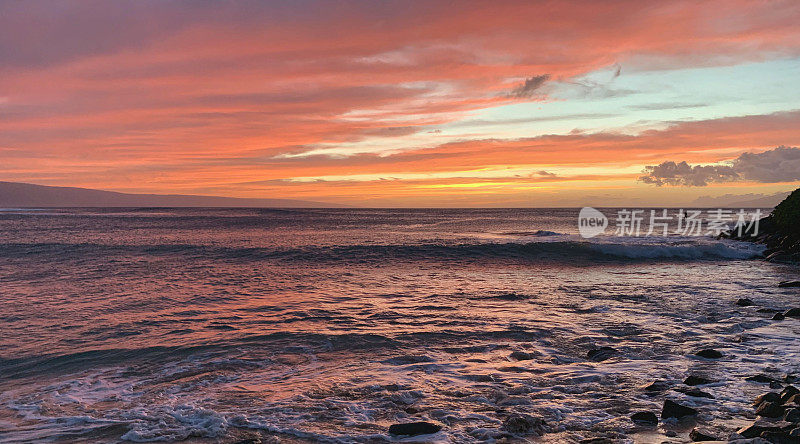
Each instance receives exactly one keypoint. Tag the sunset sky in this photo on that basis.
(405, 103)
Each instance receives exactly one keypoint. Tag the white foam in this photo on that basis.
(174, 423)
(675, 247)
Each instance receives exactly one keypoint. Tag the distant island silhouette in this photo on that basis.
(25, 195)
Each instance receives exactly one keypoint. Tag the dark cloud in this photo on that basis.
(781, 164)
(530, 87)
(671, 173)
(393, 131)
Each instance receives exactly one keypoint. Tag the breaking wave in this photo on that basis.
(559, 250)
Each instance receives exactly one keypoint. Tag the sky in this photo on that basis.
(412, 103)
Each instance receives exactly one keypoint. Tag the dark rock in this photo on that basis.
(698, 434)
(788, 392)
(780, 257)
(601, 354)
(779, 232)
(786, 214)
(600, 440)
(407, 359)
(766, 310)
(513, 369)
(778, 438)
(756, 428)
(767, 397)
(787, 284)
(770, 410)
(792, 415)
(695, 392)
(762, 378)
(792, 313)
(524, 425)
(793, 400)
(645, 418)
(709, 353)
(779, 317)
(414, 428)
(744, 302)
(658, 386)
(483, 378)
(693, 380)
(672, 409)
(522, 356)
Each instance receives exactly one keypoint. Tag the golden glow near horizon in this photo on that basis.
(403, 104)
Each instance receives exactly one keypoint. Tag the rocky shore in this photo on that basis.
(773, 419)
(780, 231)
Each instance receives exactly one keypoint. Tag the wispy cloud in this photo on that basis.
(184, 96)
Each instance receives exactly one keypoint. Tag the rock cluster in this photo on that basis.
(780, 231)
(779, 417)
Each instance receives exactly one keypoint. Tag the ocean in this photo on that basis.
(299, 326)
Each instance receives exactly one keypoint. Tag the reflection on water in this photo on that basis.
(309, 325)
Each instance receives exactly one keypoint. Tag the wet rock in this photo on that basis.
(770, 409)
(788, 392)
(600, 440)
(744, 302)
(522, 356)
(698, 434)
(762, 378)
(792, 313)
(672, 409)
(524, 425)
(709, 353)
(514, 369)
(414, 428)
(483, 378)
(767, 397)
(787, 284)
(695, 392)
(779, 317)
(693, 380)
(756, 428)
(792, 415)
(778, 438)
(407, 359)
(793, 401)
(657, 386)
(601, 354)
(645, 418)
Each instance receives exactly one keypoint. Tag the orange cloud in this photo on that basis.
(190, 97)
